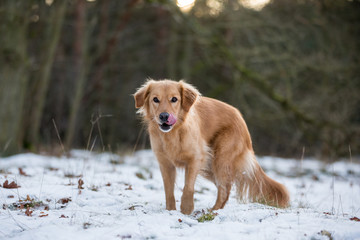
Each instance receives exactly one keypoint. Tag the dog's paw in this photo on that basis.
(187, 202)
(170, 203)
(187, 208)
(169, 208)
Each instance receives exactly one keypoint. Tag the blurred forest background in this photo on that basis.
(68, 69)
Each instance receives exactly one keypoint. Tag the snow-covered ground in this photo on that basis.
(123, 198)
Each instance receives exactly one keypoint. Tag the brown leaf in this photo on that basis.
(11, 185)
(356, 219)
(315, 178)
(108, 184)
(44, 215)
(80, 183)
(179, 220)
(64, 200)
(21, 172)
(140, 175)
(129, 188)
(28, 212)
(11, 196)
(63, 216)
(28, 198)
(86, 225)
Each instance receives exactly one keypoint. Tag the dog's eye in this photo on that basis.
(156, 100)
(174, 99)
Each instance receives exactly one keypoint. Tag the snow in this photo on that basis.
(123, 198)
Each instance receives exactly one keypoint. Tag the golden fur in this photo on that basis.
(209, 138)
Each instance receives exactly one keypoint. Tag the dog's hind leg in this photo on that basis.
(222, 196)
(223, 187)
(226, 151)
(223, 174)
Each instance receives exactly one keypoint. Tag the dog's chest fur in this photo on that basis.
(180, 146)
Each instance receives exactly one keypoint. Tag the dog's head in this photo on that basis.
(165, 103)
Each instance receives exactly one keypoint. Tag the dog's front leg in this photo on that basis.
(168, 172)
(187, 199)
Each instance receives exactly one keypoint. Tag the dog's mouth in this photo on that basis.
(165, 127)
(168, 125)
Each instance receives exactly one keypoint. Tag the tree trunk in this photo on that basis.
(185, 66)
(13, 73)
(53, 31)
(172, 51)
(81, 68)
(105, 55)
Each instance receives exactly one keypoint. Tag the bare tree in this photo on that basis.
(52, 36)
(80, 48)
(14, 20)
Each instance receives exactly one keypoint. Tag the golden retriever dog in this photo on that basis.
(207, 137)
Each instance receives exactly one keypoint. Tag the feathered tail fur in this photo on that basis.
(253, 184)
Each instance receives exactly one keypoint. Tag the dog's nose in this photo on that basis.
(164, 117)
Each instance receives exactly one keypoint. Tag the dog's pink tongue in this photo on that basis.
(171, 120)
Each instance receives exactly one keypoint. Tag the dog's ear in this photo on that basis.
(189, 94)
(141, 94)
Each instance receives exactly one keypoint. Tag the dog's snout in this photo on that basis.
(164, 116)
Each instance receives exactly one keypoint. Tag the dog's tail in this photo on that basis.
(253, 184)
